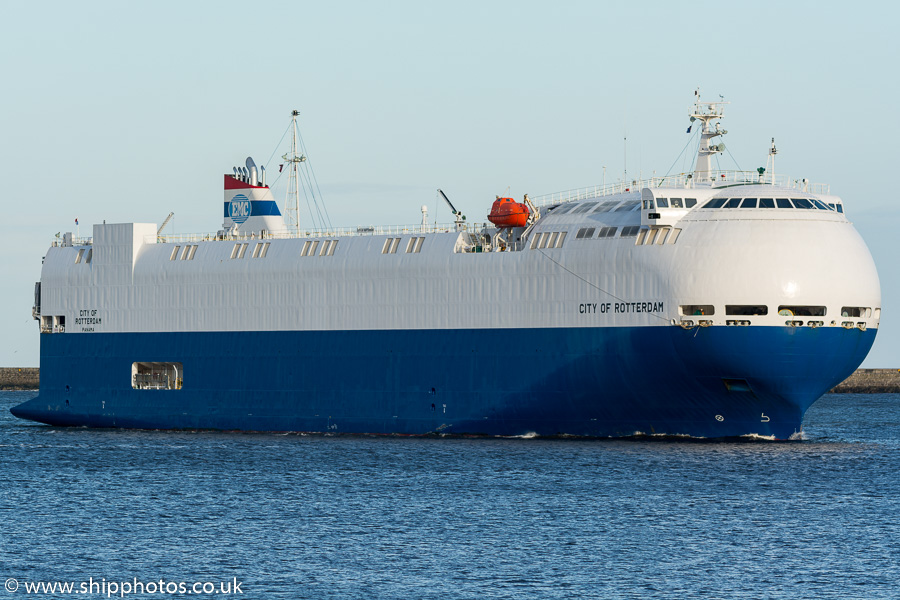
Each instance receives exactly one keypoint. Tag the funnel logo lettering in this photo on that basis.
(239, 209)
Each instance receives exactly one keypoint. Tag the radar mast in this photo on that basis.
(293, 160)
(706, 112)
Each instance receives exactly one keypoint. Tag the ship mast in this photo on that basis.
(293, 160)
(706, 112)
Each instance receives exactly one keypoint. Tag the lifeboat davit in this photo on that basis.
(506, 212)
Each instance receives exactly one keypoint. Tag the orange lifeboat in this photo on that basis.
(506, 212)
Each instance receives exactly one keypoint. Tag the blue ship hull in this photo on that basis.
(708, 382)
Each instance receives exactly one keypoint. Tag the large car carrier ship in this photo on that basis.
(707, 304)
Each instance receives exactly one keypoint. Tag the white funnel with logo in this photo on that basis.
(250, 207)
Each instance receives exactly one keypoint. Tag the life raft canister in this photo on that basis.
(506, 212)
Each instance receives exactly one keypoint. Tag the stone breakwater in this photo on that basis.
(863, 381)
(19, 378)
(871, 381)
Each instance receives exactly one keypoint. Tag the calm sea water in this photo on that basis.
(291, 516)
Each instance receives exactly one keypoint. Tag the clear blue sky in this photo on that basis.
(125, 111)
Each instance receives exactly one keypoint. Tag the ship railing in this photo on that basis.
(681, 180)
(76, 241)
(369, 230)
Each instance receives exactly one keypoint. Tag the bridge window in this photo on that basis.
(662, 203)
(767, 203)
(784, 203)
(732, 203)
(175, 250)
(748, 203)
(715, 203)
(803, 203)
(585, 232)
(676, 202)
(80, 254)
(630, 231)
(690, 202)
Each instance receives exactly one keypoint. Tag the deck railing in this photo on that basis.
(319, 233)
(681, 180)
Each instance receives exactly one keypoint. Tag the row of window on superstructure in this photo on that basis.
(586, 233)
(185, 253)
(672, 203)
(260, 249)
(802, 203)
(576, 208)
(240, 250)
(784, 310)
(319, 248)
(413, 245)
(796, 315)
(657, 236)
(548, 239)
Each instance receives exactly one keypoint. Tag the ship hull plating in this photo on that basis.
(704, 382)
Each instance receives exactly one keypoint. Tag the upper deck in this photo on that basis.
(619, 197)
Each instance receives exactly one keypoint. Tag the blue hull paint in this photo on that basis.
(578, 381)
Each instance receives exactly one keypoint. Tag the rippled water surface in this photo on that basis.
(292, 516)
